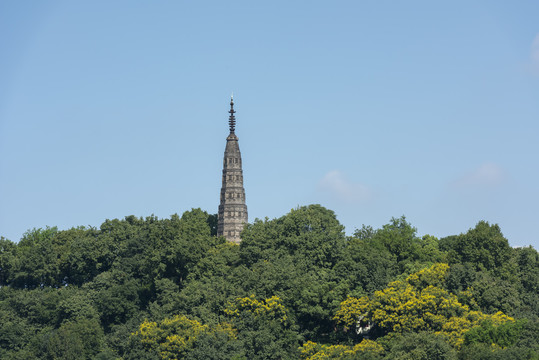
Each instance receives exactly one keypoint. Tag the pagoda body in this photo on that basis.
(232, 209)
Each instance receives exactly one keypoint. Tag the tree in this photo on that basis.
(527, 260)
(215, 280)
(367, 349)
(75, 306)
(528, 264)
(7, 258)
(399, 238)
(115, 295)
(484, 246)
(493, 294)
(264, 328)
(419, 303)
(420, 346)
(179, 337)
(15, 333)
(366, 266)
(192, 243)
(504, 335)
(72, 340)
(293, 257)
(89, 253)
(311, 234)
(37, 262)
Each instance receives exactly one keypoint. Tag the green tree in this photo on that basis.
(528, 264)
(192, 243)
(214, 281)
(37, 306)
(37, 261)
(181, 337)
(76, 305)
(504, 335)
(87, 254)
(366, 266)
(264, 328)
(527, 260)
(293, 257)
(484, 246)
(311, 234)
(115, 295)
(72, 340)
(7, 258)
(493, 294)
(420, 346)
(366, 350)
(461, 277)
(15, 333)
(399, 238)
(419, 303)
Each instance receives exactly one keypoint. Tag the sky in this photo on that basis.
(373, 109)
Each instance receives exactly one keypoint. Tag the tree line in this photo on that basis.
(295, 288)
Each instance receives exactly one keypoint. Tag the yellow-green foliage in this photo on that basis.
(171, 338)
(434, 275)
(418, 303)
(455, 327)
(351, 309)
(314, 351)
(271, 308)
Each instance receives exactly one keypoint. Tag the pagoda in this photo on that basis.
(232, 209)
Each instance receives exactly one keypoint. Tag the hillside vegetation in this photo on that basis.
(296, 288)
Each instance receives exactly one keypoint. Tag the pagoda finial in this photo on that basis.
(232, 118)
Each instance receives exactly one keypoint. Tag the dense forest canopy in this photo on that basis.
(295, 288)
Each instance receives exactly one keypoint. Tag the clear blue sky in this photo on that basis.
(374, 109)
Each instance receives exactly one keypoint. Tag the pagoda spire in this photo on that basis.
(232, 118)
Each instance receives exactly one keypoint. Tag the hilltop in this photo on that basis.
(295, 287)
